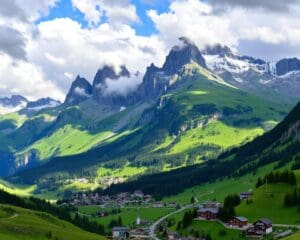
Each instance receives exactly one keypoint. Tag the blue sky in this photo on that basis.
(64, 9)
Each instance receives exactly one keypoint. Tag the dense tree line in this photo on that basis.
(227, 211)
(187, 219)
(63, 213)
(296, 165)
(116, 223)
(292, 199)
(278, 177)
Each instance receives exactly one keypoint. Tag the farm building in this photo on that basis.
(246, 195)
(260, 228)
(120, 233)
(209, 210)
(239, 222)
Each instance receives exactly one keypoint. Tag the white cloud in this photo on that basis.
(193, 19)
(59, 49)
(204, 24)
(26, 79)
(82, 51)
(81, 92)
(123, 85)
(55, 60)
(117, 11)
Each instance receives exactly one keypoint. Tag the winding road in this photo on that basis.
(155, 224)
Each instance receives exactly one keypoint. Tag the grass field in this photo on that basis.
(269, 202)
(295, 236)
(20, 190)
(126, 171)
(68, 140)
(216, 133)
(128, 214)
(21, 224)
(215, 229)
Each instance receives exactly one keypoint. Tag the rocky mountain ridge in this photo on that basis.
(276, 80)
(12, 104)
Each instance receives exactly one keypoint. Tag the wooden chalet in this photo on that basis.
(239, 222)
(261, 227)
(246, 195)
(120, 233)
(209, 210)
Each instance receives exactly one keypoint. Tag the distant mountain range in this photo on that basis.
(16, 103)
(281, 80)
(194, 107)
(275, 80)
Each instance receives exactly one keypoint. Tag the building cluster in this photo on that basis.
(209, 211)
(120, 199)
(126, 233)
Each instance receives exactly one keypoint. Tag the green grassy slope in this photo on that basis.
(219, 190)
(199, 117)
(20, 224)
(295, 236)
(268, 201)
(280, 145)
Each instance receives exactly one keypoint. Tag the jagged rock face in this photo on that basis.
(42, 103)
(100, 93)
(150, 87)
(156, 80)
(80, 90)
(287, 65)
(181, 55)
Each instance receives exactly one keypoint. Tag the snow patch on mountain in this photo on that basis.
(232, 64)
(51, 104)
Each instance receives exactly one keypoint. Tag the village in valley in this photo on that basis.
(161, 227)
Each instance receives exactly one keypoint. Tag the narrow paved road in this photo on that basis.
(10, 217)
(286, 226)
(155, 224)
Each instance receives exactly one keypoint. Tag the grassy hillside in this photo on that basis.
(280, 145)
(295, 236)
(199, 117)
(268, 201)
(21, 224)
(219, 189)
